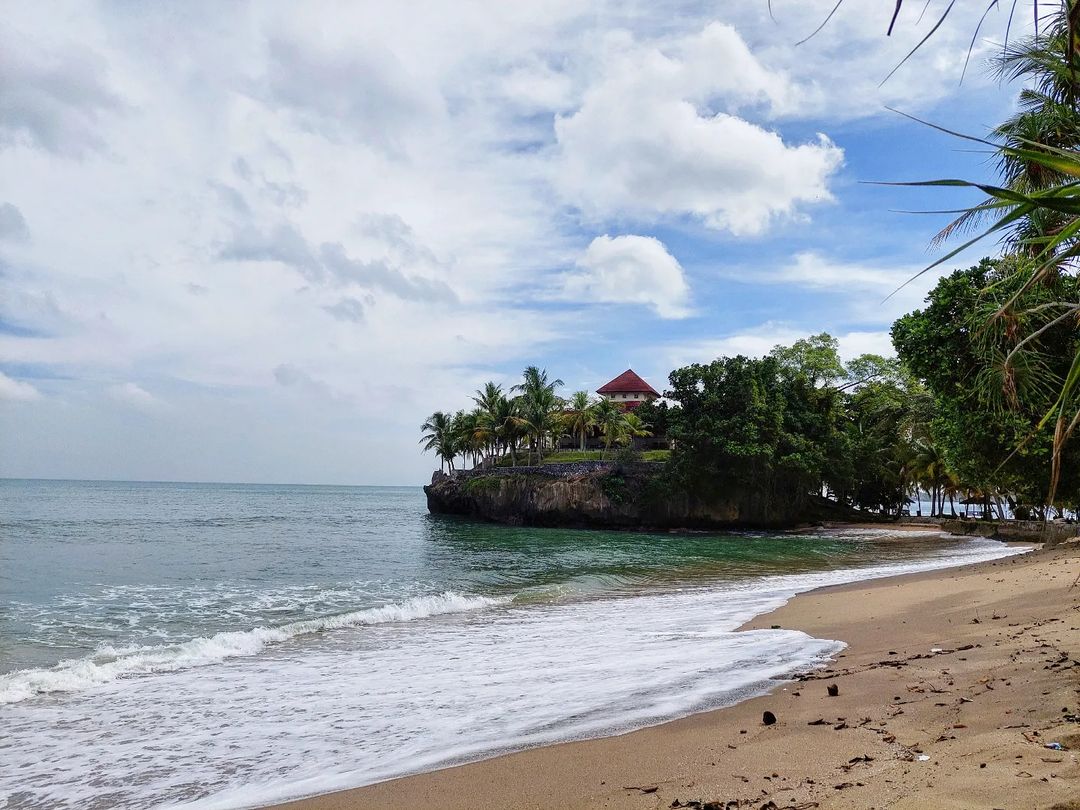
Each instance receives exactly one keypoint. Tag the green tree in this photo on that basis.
(579, 416)
(438, 435)
(634, 427)
(611, 420)
(540, 406)
(989, 397)
(816, 358)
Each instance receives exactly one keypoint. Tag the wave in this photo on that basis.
(109, 663)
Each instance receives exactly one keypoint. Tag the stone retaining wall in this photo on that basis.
(1034, 531)
(560, 470)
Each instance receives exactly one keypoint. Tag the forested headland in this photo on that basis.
(978, 407)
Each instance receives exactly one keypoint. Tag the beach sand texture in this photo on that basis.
(952, 686)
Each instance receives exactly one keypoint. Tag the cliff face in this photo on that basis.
(597, 495)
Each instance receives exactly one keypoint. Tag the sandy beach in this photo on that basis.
(952, 687)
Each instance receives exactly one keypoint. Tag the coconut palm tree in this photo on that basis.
(634, 427)
(578, 417)
(611, 421)
(510, 427)
(471, 432)
(539, 405)
(488, 397)
(439, 436)
(1047, 120)
(932, 473)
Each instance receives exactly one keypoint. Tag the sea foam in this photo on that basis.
(109, 663)
(349, 709)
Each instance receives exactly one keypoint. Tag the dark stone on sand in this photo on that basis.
(768, 718)
(832, 689)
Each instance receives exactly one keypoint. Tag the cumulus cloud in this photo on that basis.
(136, 396)
(17, 390)
(12, 224)
(425, 180)
(656, 135)
(630, 270)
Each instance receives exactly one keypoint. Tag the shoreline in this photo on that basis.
(898, 701)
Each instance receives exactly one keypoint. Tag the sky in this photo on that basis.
(262, 241)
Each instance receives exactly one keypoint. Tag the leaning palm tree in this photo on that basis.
(579, 416)
(439, 436)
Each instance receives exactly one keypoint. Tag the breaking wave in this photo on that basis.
(109, 663)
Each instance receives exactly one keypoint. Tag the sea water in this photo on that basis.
(223, 646)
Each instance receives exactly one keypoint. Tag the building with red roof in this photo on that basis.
(628, 390)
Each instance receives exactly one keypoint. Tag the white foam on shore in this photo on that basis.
(110, 663)
(358, 706)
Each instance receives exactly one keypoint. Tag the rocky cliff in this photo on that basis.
(600, 495)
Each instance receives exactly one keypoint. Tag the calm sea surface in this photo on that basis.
(216, 645)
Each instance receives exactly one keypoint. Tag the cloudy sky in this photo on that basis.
(261, 242)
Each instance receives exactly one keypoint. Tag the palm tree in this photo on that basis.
(539, 405)
(1046, 120)
(509, 425)
(578, 417)
(439, 436)
(634, 427)
(932, 473)
(488, 397)
(471, 433)
(611, 421)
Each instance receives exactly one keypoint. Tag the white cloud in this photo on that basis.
(656, 136)
(758, 341)
(872, 292)
(135, 395)
(383, 204)
(17, 390)
(629, 270)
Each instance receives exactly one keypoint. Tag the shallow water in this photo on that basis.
(226, 645)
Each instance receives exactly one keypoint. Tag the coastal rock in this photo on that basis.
(602, 495)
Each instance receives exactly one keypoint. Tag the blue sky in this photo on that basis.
(261, 242)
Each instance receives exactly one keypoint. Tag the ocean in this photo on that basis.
(226, 646)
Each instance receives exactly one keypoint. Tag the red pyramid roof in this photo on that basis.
(627, 383)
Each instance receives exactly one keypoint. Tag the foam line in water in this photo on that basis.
(110, 663)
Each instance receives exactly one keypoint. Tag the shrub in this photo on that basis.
(480, 484)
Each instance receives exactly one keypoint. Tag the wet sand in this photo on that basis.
(953, 684)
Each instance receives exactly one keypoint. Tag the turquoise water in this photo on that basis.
(225, 645)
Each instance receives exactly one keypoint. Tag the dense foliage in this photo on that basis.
(989, 398)
(798, 423)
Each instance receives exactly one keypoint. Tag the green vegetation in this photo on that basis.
(531, 416)
(1017, 317)
(983, 402)
(480, 484)
(798, 423)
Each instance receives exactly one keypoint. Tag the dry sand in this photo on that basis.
(962, 727)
